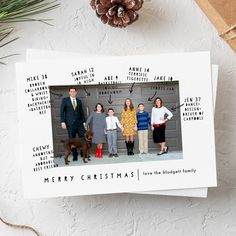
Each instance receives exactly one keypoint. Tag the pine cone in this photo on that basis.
(117, 13)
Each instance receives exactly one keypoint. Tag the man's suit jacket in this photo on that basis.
(69, 115)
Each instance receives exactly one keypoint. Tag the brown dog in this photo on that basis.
(83, 144)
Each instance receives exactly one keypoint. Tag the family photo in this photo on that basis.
(116, 123)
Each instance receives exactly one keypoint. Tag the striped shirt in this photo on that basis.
(143, 119)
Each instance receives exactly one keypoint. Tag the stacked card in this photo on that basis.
(95, 125)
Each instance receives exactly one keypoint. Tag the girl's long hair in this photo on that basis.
(97, 106)
(131, 107)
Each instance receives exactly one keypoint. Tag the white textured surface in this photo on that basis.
(164, 26)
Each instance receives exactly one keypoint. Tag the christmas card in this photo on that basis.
(36, 54)
(68, 107)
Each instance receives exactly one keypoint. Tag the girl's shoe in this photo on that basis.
(97, 153)
(127, 147)
(100, 153)
(131, 148)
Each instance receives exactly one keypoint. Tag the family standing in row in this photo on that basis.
(105, 128)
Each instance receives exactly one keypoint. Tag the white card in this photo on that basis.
(175, 72)
(37, 54)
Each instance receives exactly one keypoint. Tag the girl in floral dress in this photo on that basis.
(129, 123)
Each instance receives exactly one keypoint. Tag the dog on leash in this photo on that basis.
(82, 144)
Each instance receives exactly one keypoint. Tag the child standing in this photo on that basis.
(97, 120)
(112, 123)
(129, 123)
(143, 120)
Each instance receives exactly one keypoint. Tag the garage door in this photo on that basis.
(114, 96)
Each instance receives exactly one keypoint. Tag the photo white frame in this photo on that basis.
(169, 65)
(39, 54)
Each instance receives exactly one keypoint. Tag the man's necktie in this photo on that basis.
(74, 104)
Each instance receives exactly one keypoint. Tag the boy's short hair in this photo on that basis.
(110, 109)
(140, 104)
(73, 88)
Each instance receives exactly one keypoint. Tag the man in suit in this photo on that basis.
(72, 117)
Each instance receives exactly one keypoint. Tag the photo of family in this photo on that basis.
(102, 124)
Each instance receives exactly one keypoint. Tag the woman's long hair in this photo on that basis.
(131, 107)
(154, 103)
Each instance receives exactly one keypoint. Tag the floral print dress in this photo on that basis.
(128, 121)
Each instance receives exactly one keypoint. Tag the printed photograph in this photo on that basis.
(116, 123)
